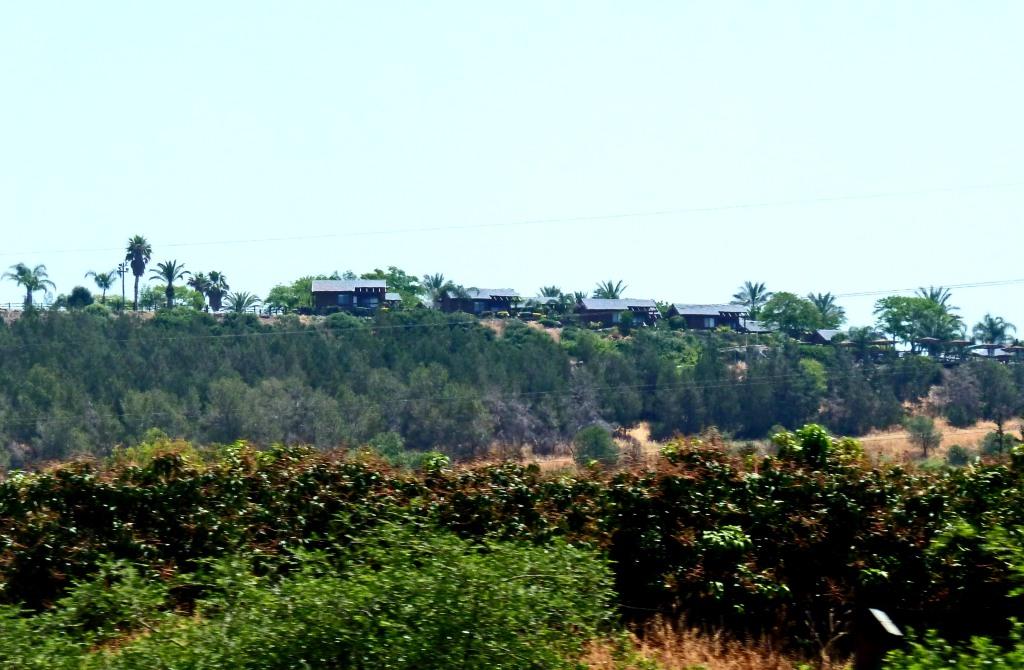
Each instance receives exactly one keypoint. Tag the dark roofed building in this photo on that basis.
(823, 336)
(608, 311)
(348, 295)
(709, 317)
(479, 300)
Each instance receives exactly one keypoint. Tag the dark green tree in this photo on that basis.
(138, 253)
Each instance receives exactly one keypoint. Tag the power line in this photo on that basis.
(553, 220)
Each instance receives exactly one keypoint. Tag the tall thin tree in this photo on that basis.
(139, 252)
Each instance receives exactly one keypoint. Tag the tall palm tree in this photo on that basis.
(31, 279)
(217, 288)
(550, 292)
(436, 286)
(753, 295)
(241, 301)
(993, 329)
(832, 315)
(138, 253)
(200, 283)
(939, 295)
(609, 289)
(104, 281)
(169, 272)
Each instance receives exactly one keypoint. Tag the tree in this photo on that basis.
(550, 292)
(753, 295)
(922, 432)
(436, 286)
(906, 318)
(217, 288)
(80, 297)
(832, 315)
(200, 283)
(609, 289)
(138, 253)
(791, 314)
(169, 272)
(104, 281)
(31, 279)
(594, 443)
(398, 281)
(938, 295)
(1000, 398)
(993, 330)
(241, 301)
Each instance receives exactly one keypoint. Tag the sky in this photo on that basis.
(680, 147)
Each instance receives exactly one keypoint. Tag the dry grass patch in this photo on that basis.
(665, 647)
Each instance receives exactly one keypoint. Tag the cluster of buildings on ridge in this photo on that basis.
(367, 295)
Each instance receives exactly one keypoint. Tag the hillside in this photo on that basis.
(78, 383)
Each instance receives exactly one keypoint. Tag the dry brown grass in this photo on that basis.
(679, 648)
(895, 446)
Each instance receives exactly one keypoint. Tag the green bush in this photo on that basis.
(594, 443)
(398, 597)
(992, 445)
(958, 456)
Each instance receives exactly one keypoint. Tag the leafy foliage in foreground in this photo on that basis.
(779, 544)
(395, 597)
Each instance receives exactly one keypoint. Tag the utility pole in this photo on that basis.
(122, 269)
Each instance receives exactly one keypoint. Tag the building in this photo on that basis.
(709, 317)
(480, 300)
(823, 336)
(359, 296)
(607, 311)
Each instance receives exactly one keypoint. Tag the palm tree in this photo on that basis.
(32, 279)
(938, 295)
(169, 272)
(436, 286)
(138, 253)
(550, 292)
(753, 295)
(832, 315)
(242, 301)
(993, 329)
(609, 289)
(104, 281)
(217, 288)
(200, 283)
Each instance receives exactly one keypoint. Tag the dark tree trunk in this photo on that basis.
(136, 301)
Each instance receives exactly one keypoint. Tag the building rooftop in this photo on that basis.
(719, 309)
(346, 285)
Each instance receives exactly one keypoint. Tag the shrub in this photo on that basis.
(594, 443)
(626, 320)
(397, 597)
(676, 323)
(958, 456)
(992, 445)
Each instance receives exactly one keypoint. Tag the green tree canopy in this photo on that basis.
(791, 314)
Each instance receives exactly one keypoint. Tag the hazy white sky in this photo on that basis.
(205, 125)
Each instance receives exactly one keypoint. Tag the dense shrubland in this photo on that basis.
(786, 545)
(76, 383)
